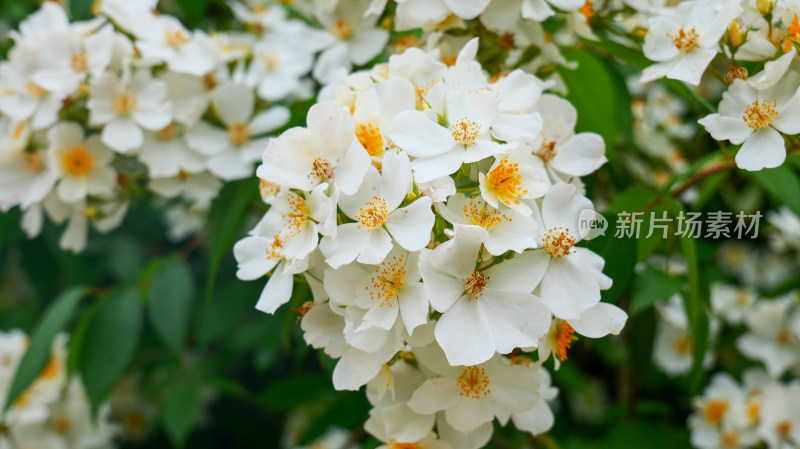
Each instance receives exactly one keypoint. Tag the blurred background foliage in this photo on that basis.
(220, 374)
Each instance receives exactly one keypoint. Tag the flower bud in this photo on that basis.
(765, 6)
(735, 38)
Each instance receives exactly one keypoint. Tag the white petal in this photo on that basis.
(464, 333)
(438, 393)
(123, 135)
(419, 136)
(411, 226)
(763, 149)
(349, 242)
(600, 320)
(277, 292)
(469, 414)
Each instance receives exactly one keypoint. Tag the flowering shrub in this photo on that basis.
(513, 223)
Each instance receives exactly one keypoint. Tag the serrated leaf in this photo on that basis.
(179, 412)
(38, 352)
(110, 343)
(169, 301)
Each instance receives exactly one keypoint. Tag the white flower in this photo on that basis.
(163, 38)
(166, 153)
(232, 151)
(780, 417)
(732, 303)
(571, 277)
(125, 106)
(685, 42)
(596, 322)
(506, 229)
(510, 179)
(277, 68)
(375, 207)
(465, 138)
(483, 312)
(754, 118)
(26, 178)
(326, 151)
(26, 100)
(82, 164)
(471, 396)
(773, 335)
(540, 418)
(374, 110)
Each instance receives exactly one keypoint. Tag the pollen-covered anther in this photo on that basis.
(321, 169)
(783, 336)
(547, 151)
(465, 131)
(342, 29)
(729, 438)
(34, 89)
(125, 102)
(238, 133)
(34, 162)
(475, 283)
(79, 62)
(760, 114)
(374, 215)
(387, 281)
(685, 39)
(506, 182)
(370, 137)
(714, 410)
(175, 37)
(167, 132)
(474, 382)
(297, 215)
(76, 160)
(479, 214)
(275, 249)
(210, 81)
(784, 428)
(397, 445)
(563, 336)
(268, 189)
(558, 243)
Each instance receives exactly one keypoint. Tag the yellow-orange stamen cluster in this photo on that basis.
(370, 137)
(321, 169)
(275, 249)
(34, 89)
(297, 215)
(19, 130)
(760, 114)
(342, 29)
(784, 428)
(238, 133)
(79, 62)
(387, 280)
(125, 102)
(60, 424)
(34, 162)
(465, 131)
(76, 160)
(168, 132)
(729, 438)
(303, 310)
(175, 37)
(685, 39)
(562, 338)
(395, 445)
(506, 182)
(479, 214)
(271, 60)
(783, 336)
(475, 283)
(587, 10)
(558, 242)
(268, 189)
(714, 410)
(374, 215)
(684, 345)
(474, 382)
(209, 81)
(792, 34)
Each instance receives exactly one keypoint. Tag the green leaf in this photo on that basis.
(782, 184)
(194, 9)
(169, 300)
(593, 92)
(652, 285)
(38, 352)
(179, 412)
(299, 389)
(227, 215)
(110, 343)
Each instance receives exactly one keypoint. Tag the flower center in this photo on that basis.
(562, 338)
(479, 214)
(19, 130)
(784, 428)
(754, 409)
(175, 37)
(370, 138)
(275, 249)
(587, 10)
(684, 39)
(297, 214)
(374, 214)
(683, 345)
(714, 410)
(209, 81)
(474, 382)
(396, 445)
(60, 424)
(729, 438)
(34, 89)
(51, 370)
(268, 189)
(342, 29)
(475, 283)
(505, 180)
(388, 280)
(783, 336)
(558, 242)
(321, 169)
(547, 151)
(34, 162)
(78, 62)
(238, 133)
(168, 132)
(76, 160)
(125, 102)
(760, 114)
(465, 131)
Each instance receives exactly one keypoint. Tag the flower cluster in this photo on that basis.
(761, 108)
(54, 411)
(434, 211)
(758, 411)
(94, 113)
